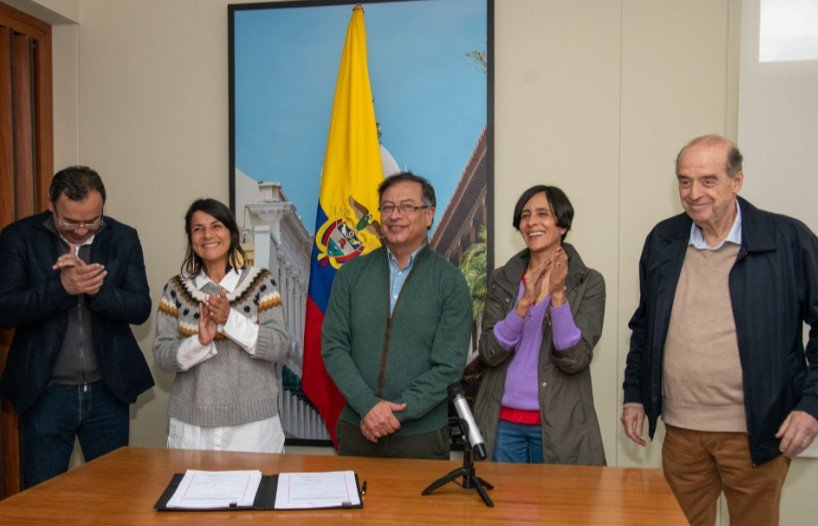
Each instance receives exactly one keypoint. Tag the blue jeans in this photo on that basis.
(89, 412)
(518, 443)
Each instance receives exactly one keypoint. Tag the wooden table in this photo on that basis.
(122, 487)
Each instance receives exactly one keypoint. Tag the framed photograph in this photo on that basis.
(430, 68)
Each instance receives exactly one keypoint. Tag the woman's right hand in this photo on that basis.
(207, 326)
(533, 287)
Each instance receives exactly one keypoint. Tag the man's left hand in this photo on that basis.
(797, 433)
(78, 277)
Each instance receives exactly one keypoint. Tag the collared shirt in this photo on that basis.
(51, 225)
(84, 243)
(397, 276)
(228, 282)
(734, 236)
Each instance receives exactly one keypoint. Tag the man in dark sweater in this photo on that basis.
(71, 282)
(717, 344)
(396, 333)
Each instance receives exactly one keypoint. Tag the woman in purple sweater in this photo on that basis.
(542, 319)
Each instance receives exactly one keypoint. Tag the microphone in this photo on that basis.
(458, 397)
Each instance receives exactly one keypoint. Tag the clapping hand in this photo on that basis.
(207, 326)
(534, 277)
(559, 272)
(78, 277)
(218, 307)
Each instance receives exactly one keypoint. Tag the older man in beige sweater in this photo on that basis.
(717, 343)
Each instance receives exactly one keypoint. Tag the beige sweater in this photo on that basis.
(702, 386)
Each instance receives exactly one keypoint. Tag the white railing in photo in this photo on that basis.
(300, 419)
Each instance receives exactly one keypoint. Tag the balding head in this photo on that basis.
(733, 158)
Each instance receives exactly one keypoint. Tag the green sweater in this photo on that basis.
(409, 357)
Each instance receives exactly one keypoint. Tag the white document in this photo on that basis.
(216, 489)
(332, 489)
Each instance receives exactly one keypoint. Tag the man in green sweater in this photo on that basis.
(396, 333)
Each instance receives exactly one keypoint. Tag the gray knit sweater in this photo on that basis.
(232, 387)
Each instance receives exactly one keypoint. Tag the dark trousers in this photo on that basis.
(432, 445)
(88, 412)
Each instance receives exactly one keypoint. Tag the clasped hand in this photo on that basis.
(77, 276)
(381, 420)
(552, 274)
(213, 311)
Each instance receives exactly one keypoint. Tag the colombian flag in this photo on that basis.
(347, 220)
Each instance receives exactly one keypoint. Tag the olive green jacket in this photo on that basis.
(570, 430)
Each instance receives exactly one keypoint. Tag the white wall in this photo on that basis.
(595, 96)
(778, 134)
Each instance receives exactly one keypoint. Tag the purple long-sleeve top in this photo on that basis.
(524, 337)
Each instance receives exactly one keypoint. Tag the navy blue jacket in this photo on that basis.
(774, 291)
(34, 302)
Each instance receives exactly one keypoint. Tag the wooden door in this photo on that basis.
(26, 167)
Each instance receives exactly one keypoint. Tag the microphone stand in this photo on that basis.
(470, 479)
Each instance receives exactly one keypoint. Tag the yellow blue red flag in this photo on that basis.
(347, 219)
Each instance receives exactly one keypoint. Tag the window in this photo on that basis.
(788, 30)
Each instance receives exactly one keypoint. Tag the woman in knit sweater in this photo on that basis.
(220, 328)
(542, 319)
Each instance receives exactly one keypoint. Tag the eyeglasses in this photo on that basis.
(405, 208)
(96, 224)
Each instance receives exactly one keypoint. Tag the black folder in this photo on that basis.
(265, 496)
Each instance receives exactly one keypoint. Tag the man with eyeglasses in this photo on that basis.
(396, 333)
(71, 283)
